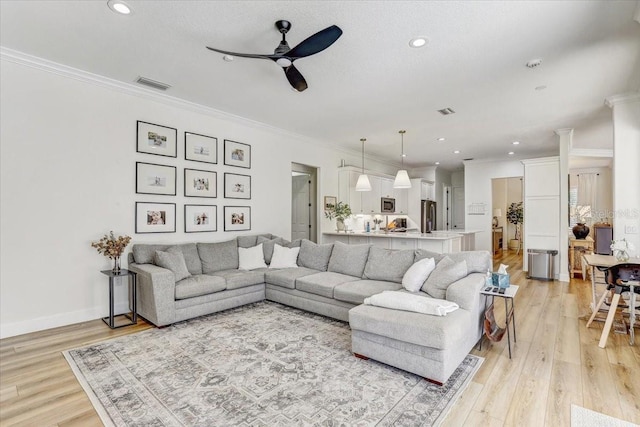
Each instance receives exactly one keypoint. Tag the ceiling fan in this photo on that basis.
(284, 55)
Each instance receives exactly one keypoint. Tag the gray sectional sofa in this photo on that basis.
(331, 280)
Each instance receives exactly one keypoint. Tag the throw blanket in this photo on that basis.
(412, 302)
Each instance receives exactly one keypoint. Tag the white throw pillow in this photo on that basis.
(251, 258)
(284, 257)
(416, 274)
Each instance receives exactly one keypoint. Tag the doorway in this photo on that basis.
(304, 196)
(506, 235)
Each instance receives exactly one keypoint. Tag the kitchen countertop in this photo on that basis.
(439, 235)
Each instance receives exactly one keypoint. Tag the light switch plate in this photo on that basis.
(630, 229)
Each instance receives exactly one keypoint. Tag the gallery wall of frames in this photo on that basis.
(158, 177)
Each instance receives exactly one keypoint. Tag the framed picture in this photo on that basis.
(199, 183)
(156, 139)
(155, 179)
(237, 154)
(237, 186)
(155, 217)
(200, 218)
(237, 218)
(200, 148)
(330, 202)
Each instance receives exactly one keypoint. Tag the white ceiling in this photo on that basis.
(370, 83)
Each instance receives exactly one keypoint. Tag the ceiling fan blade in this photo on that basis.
(316, 43)
(245, 55)
(295, 78)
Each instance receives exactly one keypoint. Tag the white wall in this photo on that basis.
(477, 187)
(68, 153)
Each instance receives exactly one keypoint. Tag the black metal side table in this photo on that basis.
(132, 282)
(510, 313)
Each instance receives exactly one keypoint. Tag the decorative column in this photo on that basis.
(565, 137)
(626, 168)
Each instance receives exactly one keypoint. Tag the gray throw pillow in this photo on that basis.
(348, 259)
(423, 253)
(144, 253)
(173, 260)
(314, 256)
(477, 261)
(218, 256)
(446, 272)
(267, 246)
(388, 264)
(247, 241)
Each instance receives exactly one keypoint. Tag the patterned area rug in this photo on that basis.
(259, 365)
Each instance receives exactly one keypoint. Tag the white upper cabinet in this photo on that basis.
(427, 190)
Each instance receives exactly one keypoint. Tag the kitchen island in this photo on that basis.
(437, 241)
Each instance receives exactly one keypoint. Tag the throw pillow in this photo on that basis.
(251, 258)
(314, 256)
(284, 257)
(416, 275)
(446, 272)
(173, 260)
(348, 259)
(267, 245)
(388, 264)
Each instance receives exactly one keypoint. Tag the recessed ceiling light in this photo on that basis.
(511, 153)
(441, 139)
(227, 58)
(119, 7)
(437, 163)
(456, 152)
(516, 142)
(418, 42)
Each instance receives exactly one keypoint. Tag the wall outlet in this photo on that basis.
(630, 229)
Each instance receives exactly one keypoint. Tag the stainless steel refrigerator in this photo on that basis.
(428, 216)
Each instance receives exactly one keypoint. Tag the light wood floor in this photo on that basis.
(556, 362)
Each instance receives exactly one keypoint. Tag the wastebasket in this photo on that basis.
(541, 263)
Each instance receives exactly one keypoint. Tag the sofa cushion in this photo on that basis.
(287, 278)
(314, 256)
(477, 261)
(423, 253)
(268, 244)
(251, 258)
(201, 284)
(173, 260)
(218, 256)
(145, 254)
(248, 241)
(284, 257)
(416, 275)
(241, 278)
(322, 283)
(446, 272)
(348, 259)
(355, 292)
(388, 264)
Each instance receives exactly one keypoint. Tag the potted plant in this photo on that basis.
(340, 211)
(515, 216)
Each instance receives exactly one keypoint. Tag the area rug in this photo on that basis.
(583, 417)
(263, 364)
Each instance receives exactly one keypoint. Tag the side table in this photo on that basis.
(132, 291)
(510, 314)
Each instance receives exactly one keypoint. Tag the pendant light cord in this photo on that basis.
(363, 140)
(402, 132)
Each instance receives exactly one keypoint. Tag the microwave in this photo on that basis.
(387, 205)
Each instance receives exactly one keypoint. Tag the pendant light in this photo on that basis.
(402, 177)
(363, 183)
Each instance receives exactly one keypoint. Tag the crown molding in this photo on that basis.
(623, 98)
(566, 131)
(591, 152)
(551, 159)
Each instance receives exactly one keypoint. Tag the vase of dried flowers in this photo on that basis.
(112, 247)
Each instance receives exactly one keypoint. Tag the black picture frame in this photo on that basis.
(237, 154)
(193, 218)
(237, 186)
(155, 217)
(157, 140)
(200, 183)
(237, 218)
(200, 148)
(153, 178)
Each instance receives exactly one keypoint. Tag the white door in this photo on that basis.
(300, 214)
(458, 207)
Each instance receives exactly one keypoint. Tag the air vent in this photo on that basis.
(534, 63)
(446, 111)
(469, 159)
(152, 83)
